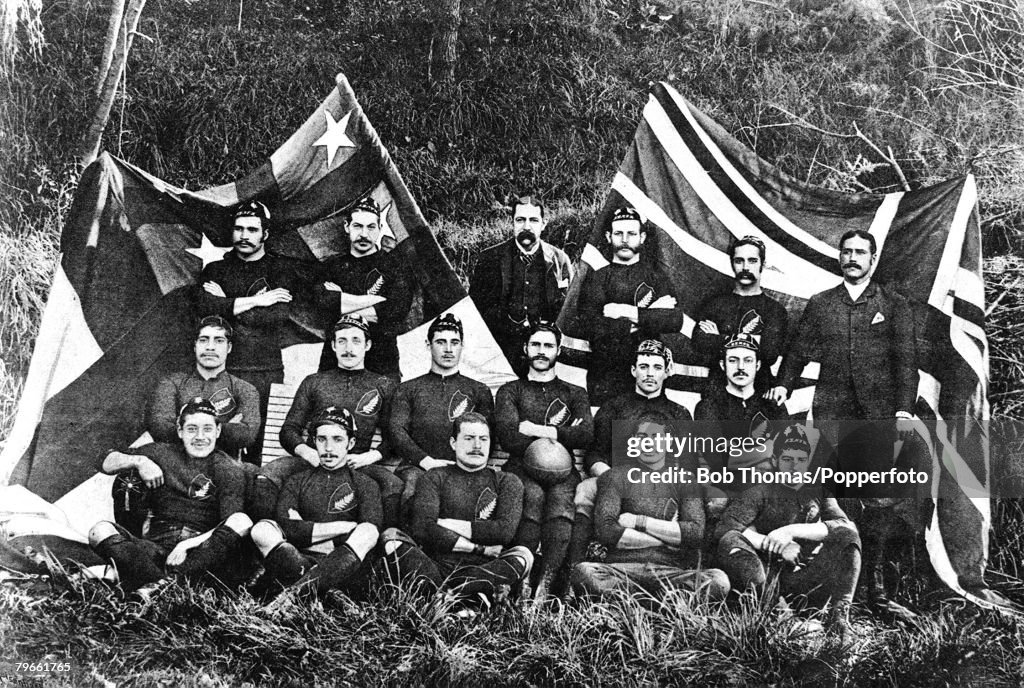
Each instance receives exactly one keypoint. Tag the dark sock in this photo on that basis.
(556, 536)
(138, 561)
(333, 571)
(212, 554)
(582, 530)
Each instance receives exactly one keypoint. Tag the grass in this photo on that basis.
(204, 637)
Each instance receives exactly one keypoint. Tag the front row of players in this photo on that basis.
(466, 526)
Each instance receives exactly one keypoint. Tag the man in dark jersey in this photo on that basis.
(652, 366)
(464, 519)
(796, 533)
(237, 402)
(543, 407)
(364, 393)
(367, 282)
(652, 531)
(252, 290)
(196, 496)
(745, 310)
(623, 303)
(423, 408)
(328, 517)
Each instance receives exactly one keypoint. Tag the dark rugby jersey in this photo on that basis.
(768, 507)
(627, 407)
(677, 502)
(759, 315)
(322, 496)
(198, 493)
(366, 394)
(557, 403)
(491, 501)
(423, 409)
(228, 394)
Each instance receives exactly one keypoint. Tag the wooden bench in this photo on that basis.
(281, 397)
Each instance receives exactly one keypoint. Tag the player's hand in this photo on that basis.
(791, 553)
(904, 426)
(429, 463)
(361, 460)
(272, 297)
(237, 418)
(332, 286)
(152, 475)
(532, 429)
(620, 311)
(178, 555)
(492, 551)
(708, 327)
(666, 301)
(308, 454)
(777, 541)
(294, 515)
(214, 289)
(627, 520)
(777, 394)
(369, 314)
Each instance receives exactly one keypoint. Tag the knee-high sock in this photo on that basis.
(211, 554)
(331, 572)
(555, 544)
(138, 561)
(582, 531)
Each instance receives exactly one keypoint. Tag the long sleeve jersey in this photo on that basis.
(423, 409)
(768, 507)
(198, 493)
(378, 274)
(256, 344)
(365, 393)
(678, 502)
(627, 407)
(229, 395)
(759, 315)
(491, 501)
(557, 403)
(319, 495)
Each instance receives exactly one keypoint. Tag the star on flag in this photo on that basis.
(207, 252)
(335, 136)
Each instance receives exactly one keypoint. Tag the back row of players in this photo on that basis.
(333, 490)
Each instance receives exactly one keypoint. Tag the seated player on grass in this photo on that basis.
(651, 531)
(328, 517)
(795, 533)
(464, 518)
(196, 497)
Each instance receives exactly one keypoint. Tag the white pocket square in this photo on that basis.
(878, 318)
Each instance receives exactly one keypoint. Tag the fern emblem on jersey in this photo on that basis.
(374, 283)
(758, 425)
(258, 286)
(201, 487)
(341, 500)
(672, 510)
(486, 503)
(644, 295)
(458, 405)
(369, 403)
(557, 413)
(751, 323)
(223, 402)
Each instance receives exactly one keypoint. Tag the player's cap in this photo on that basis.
(628, 212)
(333, 415)
(366, 205)
(253, 209)
(742, 341)
(215, 321)
(197, 405)
(792, 437)
(448, 321)
(347, 321)
(652, 347)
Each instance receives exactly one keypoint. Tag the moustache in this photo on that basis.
(852, 265)
(745, 274)
(541, 357)
(244, 243)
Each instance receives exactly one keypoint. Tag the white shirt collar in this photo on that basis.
(856, 290)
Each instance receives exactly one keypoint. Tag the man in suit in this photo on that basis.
(862, 335)
(521, 280)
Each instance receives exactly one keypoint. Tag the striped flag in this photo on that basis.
(700, 189)
(123, 298)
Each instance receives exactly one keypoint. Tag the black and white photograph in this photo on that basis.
(479, 343)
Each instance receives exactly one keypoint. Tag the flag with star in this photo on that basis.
(123, 300)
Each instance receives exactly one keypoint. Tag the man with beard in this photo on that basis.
(792, 531)
(746, 310)
(623, 303)
(424, 408)
(652, 366)
(327, 519)
(350, 386)
(651, 531)
(540, 406)
(367, 282)
(236, 401)
(196, 494)
(252, 290)
(862, 334)
(464, 519)
(521, 280)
